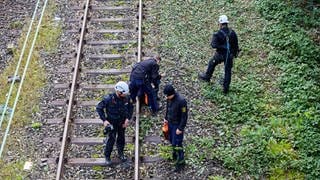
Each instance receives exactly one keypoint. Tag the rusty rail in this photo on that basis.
(71, 102)
(72, 94)
(137, 147)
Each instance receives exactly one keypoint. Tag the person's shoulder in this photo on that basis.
(149, 62)
(216, 33)
(109, 97)
(232, 31)
(183, 103)
(129, 99)
(181, 98)
(219, 34)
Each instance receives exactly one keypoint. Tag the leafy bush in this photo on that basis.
(298, 57)
(294, 12)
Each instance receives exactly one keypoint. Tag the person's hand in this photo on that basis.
(106, 123)
(237, 53)
(126, 123)
(178, 132)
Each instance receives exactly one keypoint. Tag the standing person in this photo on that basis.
(118, 108)
(143, 75)
(176, 117)
(226, 43)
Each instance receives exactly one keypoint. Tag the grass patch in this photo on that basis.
(115, 64)
(271, 116)
(12, 170)
(36, 125)
(145, 125)
(16, 25)
(216, 178)
(35, 80)
(165, 152)
(110, 36)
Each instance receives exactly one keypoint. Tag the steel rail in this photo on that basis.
(22, 79)
(137, 147)
(72, 94)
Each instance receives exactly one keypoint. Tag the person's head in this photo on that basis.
(122, 89)
(169, 91)
(157, 58)
(223, 20)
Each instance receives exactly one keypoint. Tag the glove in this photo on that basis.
(108, 129)
(237, 53)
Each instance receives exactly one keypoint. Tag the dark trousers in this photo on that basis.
(117, 133)
(137, 85)
(176, 142)
(228, 63)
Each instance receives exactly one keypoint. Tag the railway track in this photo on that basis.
(108, 41)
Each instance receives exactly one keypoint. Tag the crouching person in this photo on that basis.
(176, 116)
(115, 110)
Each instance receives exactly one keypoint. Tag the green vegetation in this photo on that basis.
(36, 125)
(165, 152)
(216, 178)
(29, 98)
(98, 168)
(16, 25)
(145, 125)
(117, 25)
(114, 51)
(12, 170)
(120, 3)
(268, 125)
(129, 148)
(109, 36)
(114, 64)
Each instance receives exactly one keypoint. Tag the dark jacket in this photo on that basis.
(117, 109)
(219, 41)
(177, 111)
(147, 70)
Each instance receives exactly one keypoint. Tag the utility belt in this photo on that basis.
(174, 122)
(117, 121)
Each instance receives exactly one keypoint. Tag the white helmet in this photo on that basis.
(223, 19)
(122, 87)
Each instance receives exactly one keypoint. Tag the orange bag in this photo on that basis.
(165, 130)
(146, 99)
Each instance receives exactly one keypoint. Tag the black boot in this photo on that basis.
(122, 157)
(204, 77)
(179, 166)
(225, 91)
(108, 161)
(174, 156)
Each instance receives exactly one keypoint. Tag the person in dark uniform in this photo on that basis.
(115, 110)
(176, 116)
(226, 43)
(143, 75)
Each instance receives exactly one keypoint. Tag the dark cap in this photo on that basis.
(169, 90)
